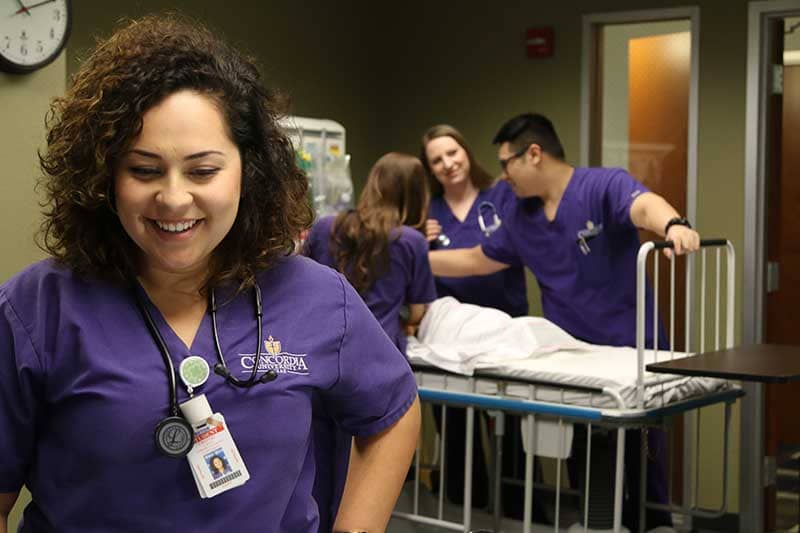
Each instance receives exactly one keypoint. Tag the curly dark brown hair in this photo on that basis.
(92, 126)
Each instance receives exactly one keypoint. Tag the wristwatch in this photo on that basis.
(677, 221)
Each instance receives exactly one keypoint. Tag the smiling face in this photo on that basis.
(448, 161)
(178, 186)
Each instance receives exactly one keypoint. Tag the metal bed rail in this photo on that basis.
(455, 390)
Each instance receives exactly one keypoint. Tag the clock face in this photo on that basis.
(32, 33)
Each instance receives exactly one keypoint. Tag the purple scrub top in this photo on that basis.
(82, 387)
(504, 290)
(592, 296)
(408, 281)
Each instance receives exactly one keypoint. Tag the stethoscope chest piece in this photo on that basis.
(174, 436)
(496, 222)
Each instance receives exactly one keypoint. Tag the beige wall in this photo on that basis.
(316, 51)
(24, 100)
(468, 67)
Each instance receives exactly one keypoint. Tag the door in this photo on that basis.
(640, 116)
(658, 95)
(782, 314)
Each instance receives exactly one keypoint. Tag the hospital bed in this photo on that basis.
(602, 387)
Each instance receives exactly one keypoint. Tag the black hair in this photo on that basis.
(530, 128)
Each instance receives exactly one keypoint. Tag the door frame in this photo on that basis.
(758, 86)
(591, 22)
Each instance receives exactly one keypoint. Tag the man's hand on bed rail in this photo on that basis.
(651, 212)
(684, 240)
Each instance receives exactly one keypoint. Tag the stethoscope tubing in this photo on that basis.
(165, 355)
(221, 368)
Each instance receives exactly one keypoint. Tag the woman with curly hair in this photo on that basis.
(172, 205)
(379, 246)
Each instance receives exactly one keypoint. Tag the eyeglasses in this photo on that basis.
(504, 162)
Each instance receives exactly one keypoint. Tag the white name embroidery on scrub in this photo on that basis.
(275, 358)
(215, 461)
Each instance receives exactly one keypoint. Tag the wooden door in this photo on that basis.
(658, 88)
(658, 92)
(782, 322)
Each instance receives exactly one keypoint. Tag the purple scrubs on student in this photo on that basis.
(408, 281)
(590, 295)
(83, 385)
(504, 290)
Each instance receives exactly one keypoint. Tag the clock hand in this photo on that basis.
(25, 9)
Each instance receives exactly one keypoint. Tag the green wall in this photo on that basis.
(314, 51)
(388, 73)
(24, 100)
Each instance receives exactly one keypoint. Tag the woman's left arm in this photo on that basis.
(378, 468)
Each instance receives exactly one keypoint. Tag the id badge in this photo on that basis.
(215, 461)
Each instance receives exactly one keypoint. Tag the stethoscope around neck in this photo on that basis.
(444, 241)
(220, 368)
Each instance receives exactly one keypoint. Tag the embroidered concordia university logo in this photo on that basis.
(274, 358)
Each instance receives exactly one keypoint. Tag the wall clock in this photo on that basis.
(32, 33)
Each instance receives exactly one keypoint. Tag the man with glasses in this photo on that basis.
(576, 229)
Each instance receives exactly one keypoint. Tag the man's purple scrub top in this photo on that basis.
(590, 295)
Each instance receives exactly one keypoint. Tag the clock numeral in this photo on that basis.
(23, 35)
(39, 47)
(57, 15)
(23, 50)
(52, 33)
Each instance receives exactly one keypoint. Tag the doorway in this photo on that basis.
(639, 112)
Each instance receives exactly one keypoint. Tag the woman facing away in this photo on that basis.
(172, 204)
(379, 246)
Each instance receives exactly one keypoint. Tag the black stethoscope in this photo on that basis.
(174, 435)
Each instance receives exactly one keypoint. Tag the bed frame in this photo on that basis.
(438, 387)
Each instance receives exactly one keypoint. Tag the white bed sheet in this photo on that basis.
(462, 338)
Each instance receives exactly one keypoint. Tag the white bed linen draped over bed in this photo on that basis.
(461, 338)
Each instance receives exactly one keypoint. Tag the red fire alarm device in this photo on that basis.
(539, 41)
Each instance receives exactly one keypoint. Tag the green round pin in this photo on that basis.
(194, 371)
